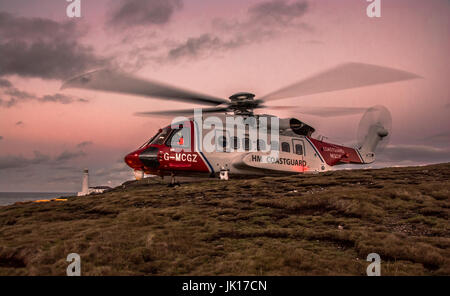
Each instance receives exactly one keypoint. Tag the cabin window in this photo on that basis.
(261, 145)
(180, 138)
(285, 147)
(299, 149)
(236, 143)
(274, 146)
(222, 142)
(246, 143)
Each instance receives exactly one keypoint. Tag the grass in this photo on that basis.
(323, 224)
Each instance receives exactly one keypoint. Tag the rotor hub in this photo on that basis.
(243, 103)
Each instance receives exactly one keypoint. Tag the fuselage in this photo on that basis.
(186, 148)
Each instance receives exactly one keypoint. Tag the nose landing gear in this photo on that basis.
(139, 175)
(224, 174)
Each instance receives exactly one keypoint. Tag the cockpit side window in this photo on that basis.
(180, 138)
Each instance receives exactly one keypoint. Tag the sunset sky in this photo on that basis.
(48, 135)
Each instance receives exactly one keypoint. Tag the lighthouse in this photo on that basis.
(85, 186)
(86, 190)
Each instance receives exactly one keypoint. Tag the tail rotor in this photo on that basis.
(374, 132)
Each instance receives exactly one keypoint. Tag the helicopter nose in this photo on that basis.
(149, 158)
(133, 161)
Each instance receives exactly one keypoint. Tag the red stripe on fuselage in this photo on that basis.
(336, 154)
(182, 161)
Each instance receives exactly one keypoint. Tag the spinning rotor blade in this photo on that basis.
(322, 111)
(345, 76)
(116, 82)
(182, 112)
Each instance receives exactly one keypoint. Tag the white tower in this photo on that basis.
(85, 187)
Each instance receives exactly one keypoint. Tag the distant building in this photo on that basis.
(98, 189)
(86, 190)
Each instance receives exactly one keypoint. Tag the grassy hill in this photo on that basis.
(324, 224)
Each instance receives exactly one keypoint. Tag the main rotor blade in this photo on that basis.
(116, 82)
(181, 112)
(345, 76)
(322, 111)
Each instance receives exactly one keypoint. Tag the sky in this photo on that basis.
(48, 135)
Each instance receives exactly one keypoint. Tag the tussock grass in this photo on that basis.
(325, 224)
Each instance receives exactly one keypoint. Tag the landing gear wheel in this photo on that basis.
(173, 182)
(224, 174)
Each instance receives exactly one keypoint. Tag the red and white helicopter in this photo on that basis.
(178, 149)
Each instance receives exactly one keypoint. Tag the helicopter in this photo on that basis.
(203, 146)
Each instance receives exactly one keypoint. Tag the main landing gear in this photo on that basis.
(173, 182)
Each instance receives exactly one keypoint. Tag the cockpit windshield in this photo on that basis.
(159, 138)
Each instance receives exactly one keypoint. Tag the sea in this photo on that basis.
(9, 198)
